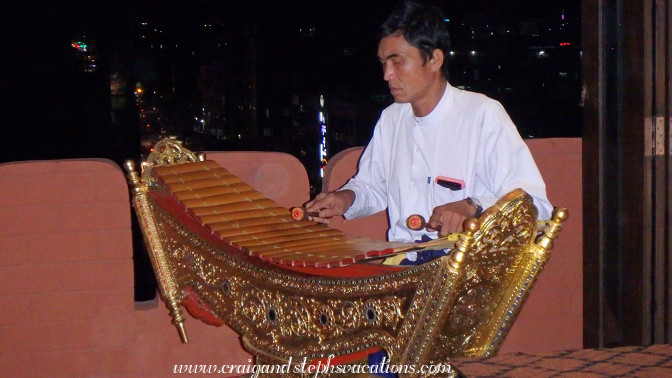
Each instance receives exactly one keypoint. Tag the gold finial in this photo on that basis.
(178, 320)
(553, 228)
(465, 242)
(129, 165)
(133, 176)
(560, 215)
(471, 225)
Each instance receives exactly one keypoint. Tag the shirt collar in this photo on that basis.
(439, 110)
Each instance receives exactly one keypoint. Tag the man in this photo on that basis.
(438, 151)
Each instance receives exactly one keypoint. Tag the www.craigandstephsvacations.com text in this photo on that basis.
(303, 367)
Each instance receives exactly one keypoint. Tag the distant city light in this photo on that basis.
(79, 46)
(472, 52)
(452, 52)
(565, 43)
(446, 20)
(323, 130)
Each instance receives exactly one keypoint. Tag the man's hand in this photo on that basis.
(450, 217)
(330, 204)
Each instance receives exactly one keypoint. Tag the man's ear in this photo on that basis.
(437, 59)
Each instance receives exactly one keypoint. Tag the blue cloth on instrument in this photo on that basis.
(424, 256)
(378, 363)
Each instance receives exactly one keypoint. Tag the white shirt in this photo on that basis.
(468, 137)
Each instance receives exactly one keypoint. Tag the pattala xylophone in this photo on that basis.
(237, 214)
(231, 256)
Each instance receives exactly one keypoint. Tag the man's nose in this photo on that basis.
(388, 72)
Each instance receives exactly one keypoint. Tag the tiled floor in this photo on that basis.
(651, 361)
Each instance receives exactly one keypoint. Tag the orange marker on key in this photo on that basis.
(300, 213)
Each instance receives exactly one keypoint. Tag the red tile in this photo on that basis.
(15, 309)
(128, 359)
(22, 220)
(81, 305)
(27, 279)
(654, 372)
(115, 303)
(87, 165)
(81, 246)
(63, 247)
(529, 372)
(28, 338)
(61, 306)
(98, 275)
(109, 332)
(68, 363)
(12, 191)
(17, 365)
(99, 186)
(14, 249)
(84, 217)
(114, 244)
(45, 189)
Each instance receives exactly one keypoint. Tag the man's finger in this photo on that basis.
(319, 220)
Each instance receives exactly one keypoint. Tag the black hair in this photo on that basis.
(423, 26)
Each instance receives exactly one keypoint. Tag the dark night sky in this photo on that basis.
(46, 114)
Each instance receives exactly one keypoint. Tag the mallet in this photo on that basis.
(300, 213)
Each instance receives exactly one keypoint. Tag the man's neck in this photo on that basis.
(427, 105)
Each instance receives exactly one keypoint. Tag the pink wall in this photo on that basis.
(66, 299)
(552, 318)
(66, 303)
(339, 170)
(277, 175)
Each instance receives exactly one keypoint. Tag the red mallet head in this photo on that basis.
(298, 213)
(415, 222)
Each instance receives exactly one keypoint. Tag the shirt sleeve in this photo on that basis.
(369, 184)
(507, 163)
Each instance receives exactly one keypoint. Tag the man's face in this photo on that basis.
(408, 77)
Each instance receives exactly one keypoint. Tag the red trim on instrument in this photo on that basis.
(343, 359)
(199, 309)
(351, 271)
